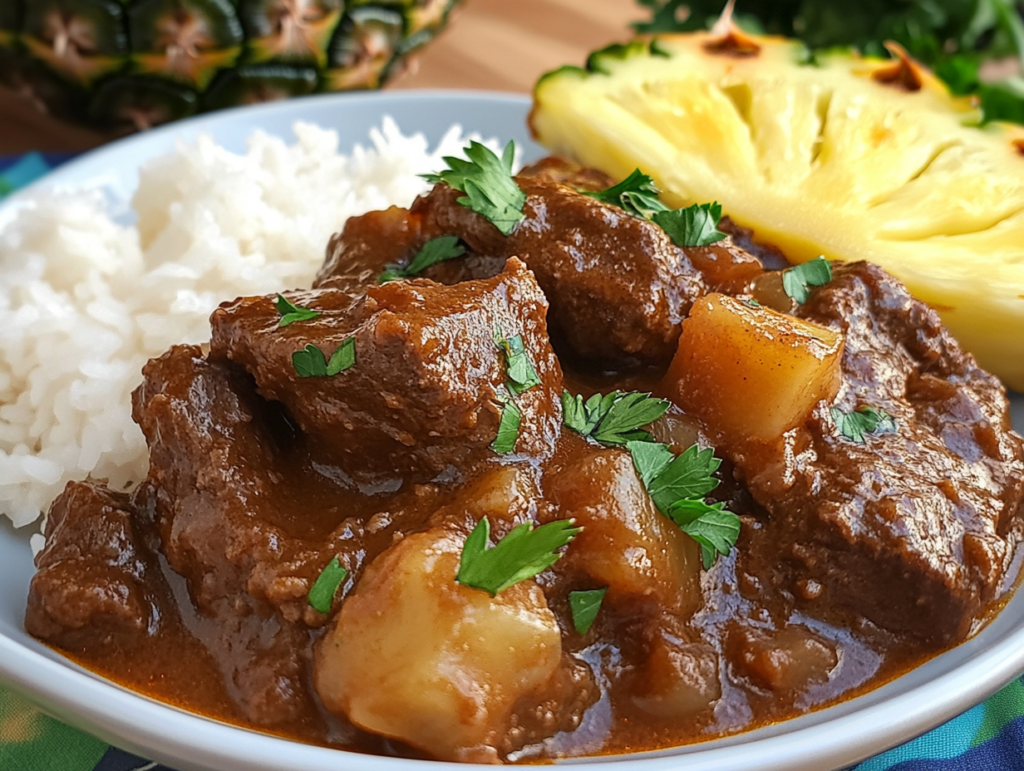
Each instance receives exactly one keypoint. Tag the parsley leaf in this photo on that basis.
(491, 191)
(798, 280)
(290, 313)
(584, 606)
(508, 429)
(862, 421)
(326, 586)
(677, 485)
(710, 525)
(612, 419)
(519, 370)
(432, 252)
(636, 194)
(311, 361)
(695, 225)
(520, 555)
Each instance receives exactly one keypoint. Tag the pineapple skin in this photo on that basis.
(132, 64)
(850, 158)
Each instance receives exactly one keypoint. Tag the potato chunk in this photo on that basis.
(625, 544)
(748, 372)
(415, 656)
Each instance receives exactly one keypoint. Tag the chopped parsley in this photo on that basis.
(584, 606)
(520, 555)
(612, 419)
(636, 194)
(321, 596)
(491, 190)
(508, 429)
(863, 421)
(677, 485)
(290, 313)
(519, 370)
(695, 225)
(432, 252)
(311, 361)
(798, 280)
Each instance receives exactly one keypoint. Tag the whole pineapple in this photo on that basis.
(139, 63)
(849, 157)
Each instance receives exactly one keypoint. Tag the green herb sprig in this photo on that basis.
(291, 313)
(312, 362)
(636, 194)
(865, 420)
(612, 419)
(520, 555)
(321, 595)
(584, 606)
(432, 252)
(508, 428)
(798, 280)
(677, 485)
(520, 374)
(490, 189)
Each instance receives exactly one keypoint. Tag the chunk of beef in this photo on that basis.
(910, 529)
(225, 512)
(96, 575)
(427, 390)
(617, 284)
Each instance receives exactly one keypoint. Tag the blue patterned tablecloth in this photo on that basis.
(989, 737)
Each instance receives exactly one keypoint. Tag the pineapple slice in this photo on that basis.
(850, 158)
(748, 372)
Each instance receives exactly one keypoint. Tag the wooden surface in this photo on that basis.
(491, 44)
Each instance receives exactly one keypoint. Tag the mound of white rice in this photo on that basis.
(85, 302)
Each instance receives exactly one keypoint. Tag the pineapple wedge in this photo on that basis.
(849, 158)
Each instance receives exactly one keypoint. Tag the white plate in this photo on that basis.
(831, 738)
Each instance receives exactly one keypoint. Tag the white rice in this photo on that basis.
(85, 302)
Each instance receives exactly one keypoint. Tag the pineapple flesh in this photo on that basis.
(139, 63)
(846, 157)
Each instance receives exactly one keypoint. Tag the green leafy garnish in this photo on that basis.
(520, 555)
(519, 370)
(612, 419)
(290, 313)
(584, 606)
(695, 225)
(677, 485)
(311, 361)
(862, 421)
(491, 191)
(798, 280)
(508, 429)
(636, 194)
(432, 252)
(326, 586)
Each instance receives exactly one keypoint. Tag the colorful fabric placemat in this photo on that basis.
(989, 737)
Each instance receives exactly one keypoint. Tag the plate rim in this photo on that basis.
(171, 735)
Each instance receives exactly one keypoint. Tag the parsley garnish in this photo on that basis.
(508, 429)
(636, 194)
(798, 280)
(432, 252)
(612, 419)
(487, 181)
(311, 361)
(695, 225)
(290, 313)
(677, 485)
(519, 370)
(520, 555)
(326, 586)
(862, 421)
(584, 606)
